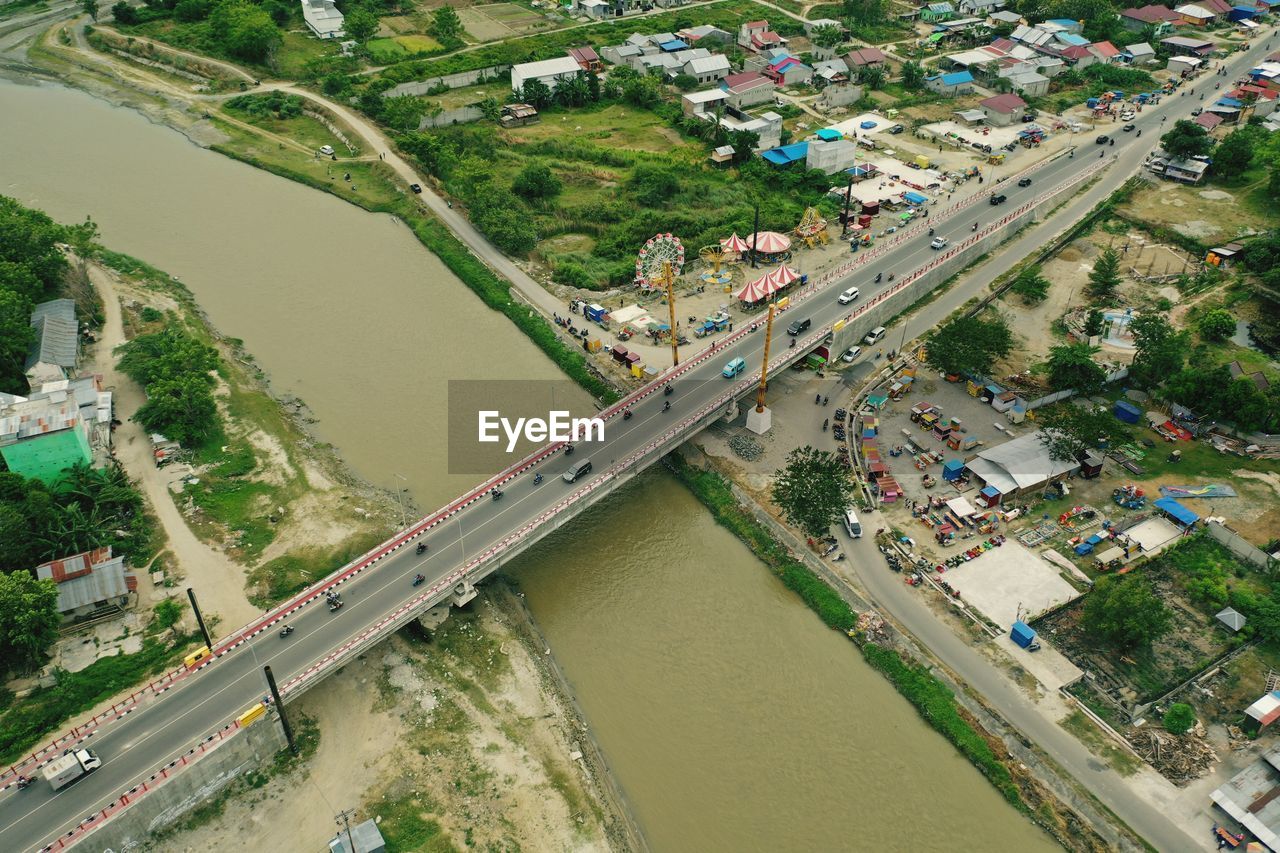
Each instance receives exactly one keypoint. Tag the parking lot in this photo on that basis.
(1008, 583)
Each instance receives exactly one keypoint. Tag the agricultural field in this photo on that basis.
(385, 51)
(493, 21)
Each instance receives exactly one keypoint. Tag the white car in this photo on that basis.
(326, 150)
(938, 243)
(850, 354)
(848, 296)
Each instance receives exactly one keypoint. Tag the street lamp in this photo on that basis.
(404, 520)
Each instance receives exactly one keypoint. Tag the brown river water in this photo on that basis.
(732, 718)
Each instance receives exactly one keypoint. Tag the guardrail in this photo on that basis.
(406, 612)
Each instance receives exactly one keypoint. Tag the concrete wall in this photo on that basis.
(449, 117)
(453, 81)
(1238, 545)
(246, 750)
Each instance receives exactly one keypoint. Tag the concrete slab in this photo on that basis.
(1004, 578)
(1153, 534)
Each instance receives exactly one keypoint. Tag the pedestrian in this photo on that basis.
(817, 399)
(824, 401)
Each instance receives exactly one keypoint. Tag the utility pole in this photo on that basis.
(343, 819)
(669, 278)
(195, 608)
(760, 418)
(279, 703)
(755, 235)
(848, 195)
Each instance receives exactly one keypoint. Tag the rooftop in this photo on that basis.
(1005, 104)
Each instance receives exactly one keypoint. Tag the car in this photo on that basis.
(1025, 182)
(1103, 139)
(874, 336)
(1128, 128)
(577, 470)
(848, 296)
(851, 524)
(417, 188)
(938, 243)
(896, 129)
(1196, 111)
(998, 199)
(326, 150)
(850, 354)
(1028, 117)
(1128, 116)
(733, 368)
(799, 326)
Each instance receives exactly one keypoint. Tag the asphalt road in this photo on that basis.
(164, 728)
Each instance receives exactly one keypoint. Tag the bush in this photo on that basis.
(536, 181)
(1216, 325)
(1179, 718)
(573, 275)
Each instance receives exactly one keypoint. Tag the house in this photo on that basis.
(786, 155)
(56, 349)
(767, 127)
(840, 95)
(1002, 110)
(1033, 36)
(1162, 18)
(41, 438)
(1105, 51)
(748, 88)
(1208, 121)
(932, 13)
(979, 7)
(1252, 798)
(1184, 65)
(1028, 82)
(621, 54)
(789, 71)
(723, 155)
(597, 10)
(1004, 18)
(1019, 466)
(707, 69)
(1187, 46)
(866, 57)
(322, 18)
(1063, 25)
(831, 156)
(1140, 53)
(830, 71)
(810, 26)
(1231, 619)
(517, 115)
(1196, 16)
(971, 118)
(1079, 56)
(756, 35)
(1183, 171)
(955, 83)
(704, 102)
(549, 72)
(587, 58)
(89, 582)
(706, 33)
(365, 837)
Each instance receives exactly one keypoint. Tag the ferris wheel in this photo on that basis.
(652, 262)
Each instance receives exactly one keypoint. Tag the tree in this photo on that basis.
(1031, 285)
(1104, 278)
(969, 345)
(1094, 323)
(536, 94)
(168, 613)
(1235, 152)
(446, 25)
(403, 112)
(360, 24)
(123, 13)
(536, 180)
(865, 12)
(1273, 183)
(1186, 139)
(277, 9)
(813, 490)
(828, 36)
(1179, 718)
(574, 91)
(190, 11)
(161, 355)
(16, 335)
(1216, 325)
(872, 76)
(685, 82)
(1068, 430)
(90, 8)
(912, 75)
(1124, 610)
(1071, 366)
(181, 408)
(29, 620)
(244, 30)
(1160, 351)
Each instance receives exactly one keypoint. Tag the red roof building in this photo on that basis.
(1105, 50)
(865, 57)
(1208, 120)
(1152, 15)
(587, 58)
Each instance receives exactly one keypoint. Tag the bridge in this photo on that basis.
(170, 723)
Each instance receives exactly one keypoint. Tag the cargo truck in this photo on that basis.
(70, 767)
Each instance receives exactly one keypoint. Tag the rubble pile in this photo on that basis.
(1179, 758)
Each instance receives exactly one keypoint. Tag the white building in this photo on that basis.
(707, 69)
(549, 71)
(322, 18)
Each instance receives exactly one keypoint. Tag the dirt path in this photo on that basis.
(218, 582)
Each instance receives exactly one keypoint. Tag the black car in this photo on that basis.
(1103, 139)
(1196, 111)
(1025, 182)
(417, 188)
(998, 199)
(1128, 128)
(799, 326)
(896, 129)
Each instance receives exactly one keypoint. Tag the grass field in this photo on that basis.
(1209, 214)
(303, 129)
(388, 50)
(614, 126)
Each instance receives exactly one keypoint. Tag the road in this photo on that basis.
(165, 727)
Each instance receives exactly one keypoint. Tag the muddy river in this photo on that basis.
(733, 719)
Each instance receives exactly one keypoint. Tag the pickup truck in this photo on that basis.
(71, 767)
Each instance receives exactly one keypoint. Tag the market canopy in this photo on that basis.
(734, 243)
(769, 242)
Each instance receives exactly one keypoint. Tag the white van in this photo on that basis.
(852, 525)
(874, 336)
(848, 296)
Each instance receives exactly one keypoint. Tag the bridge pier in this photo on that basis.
(463, 593)
(760, 420)
(730, 412)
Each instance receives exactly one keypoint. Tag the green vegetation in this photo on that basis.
(276, 580)
(1071, 366)
(1125, 612)
(969, 345)
(1179, 718)
(1186, 139)
(813, 490)
(176, 371)
(1085, 731)
(1068, 430)
(1072, 87)
(1216, 325)
(1104, 278)
(406, 827)
(24, 723)
(29, 620)
(1031, 285)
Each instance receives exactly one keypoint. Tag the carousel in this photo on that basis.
(769, 246)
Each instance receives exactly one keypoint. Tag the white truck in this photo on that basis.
(70, 767)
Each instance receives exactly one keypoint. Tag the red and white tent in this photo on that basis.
(784, 275)
(734, 243)
(769, 242)
(768, 284)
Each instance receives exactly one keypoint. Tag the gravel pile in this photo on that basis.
(746, 447)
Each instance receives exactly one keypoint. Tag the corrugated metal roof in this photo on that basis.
(86, 579)
(57, 334)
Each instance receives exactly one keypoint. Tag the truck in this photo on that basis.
(72, 766)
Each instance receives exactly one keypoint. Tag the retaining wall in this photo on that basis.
(453, 81)
(1238, 545)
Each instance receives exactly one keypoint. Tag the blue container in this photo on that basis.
(1084, 548)
(952, 470)
(1127, 412)
(1022, 634)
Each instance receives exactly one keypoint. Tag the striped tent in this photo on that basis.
(769, 242)
(734, 243)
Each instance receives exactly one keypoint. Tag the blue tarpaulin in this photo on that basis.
(829, 134)
(1177, 511)
(915, 198)
(1229, 102)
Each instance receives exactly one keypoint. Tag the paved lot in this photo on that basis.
(1008, 578)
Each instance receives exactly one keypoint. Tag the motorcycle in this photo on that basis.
(422, 547)
(496, 494)
(666, 406)
(891, 276)
(286, 630)
(793, 344)
(418, 579)
(825, 422)
(879, 276)
(23, 782)
(667, 390)
(537, 478)
(974, 227)
(335, 606)
(568, 450)
(626, 416)
(930, 232)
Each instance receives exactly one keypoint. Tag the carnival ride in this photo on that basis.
(812, 230)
